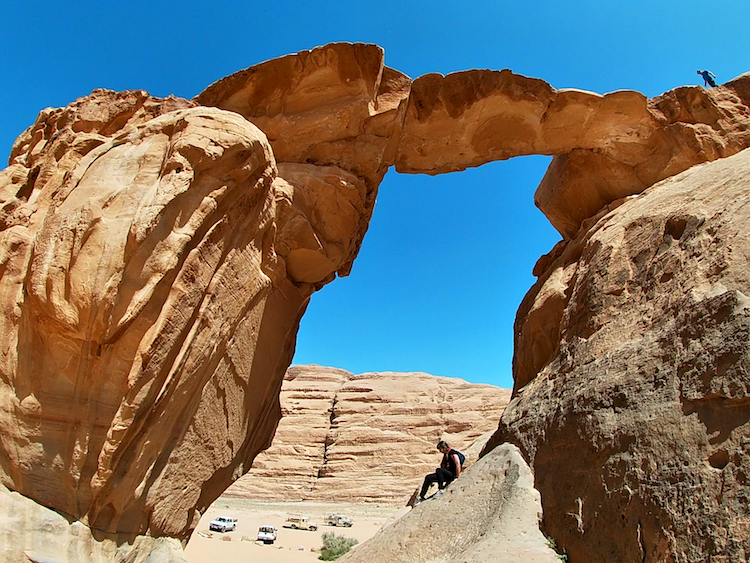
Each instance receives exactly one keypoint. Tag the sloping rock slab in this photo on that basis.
(491, 514)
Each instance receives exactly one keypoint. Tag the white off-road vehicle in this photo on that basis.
(267, 534)
(337, 520)
(223, 524)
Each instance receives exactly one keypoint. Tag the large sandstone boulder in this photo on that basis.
(368, 437)
(150, 248)
(122, 252)
(632, 393)
(489, 515)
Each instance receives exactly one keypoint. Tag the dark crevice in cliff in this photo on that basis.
(322, 470)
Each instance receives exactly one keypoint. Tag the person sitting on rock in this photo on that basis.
(450, 469)
(708, 78)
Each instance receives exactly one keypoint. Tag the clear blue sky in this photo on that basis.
(447, 259)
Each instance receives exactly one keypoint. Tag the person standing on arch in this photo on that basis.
(450, 469)
(709, 78)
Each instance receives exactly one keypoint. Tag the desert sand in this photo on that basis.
(292, 546)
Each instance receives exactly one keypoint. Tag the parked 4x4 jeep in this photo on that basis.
(299, 522)
(223, 524)
(337, 520)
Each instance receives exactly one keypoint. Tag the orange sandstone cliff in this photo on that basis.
(369, 437)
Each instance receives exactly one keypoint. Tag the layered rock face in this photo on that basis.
(336, 105)
(632, 397)
(128, 235)
(369, 437)
(158, 254)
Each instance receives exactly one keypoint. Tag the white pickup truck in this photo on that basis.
(223, 524)
(267, 534)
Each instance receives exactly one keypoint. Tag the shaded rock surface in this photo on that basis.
(489, 515)
(631, 366)
(369, 437)
(30, 532)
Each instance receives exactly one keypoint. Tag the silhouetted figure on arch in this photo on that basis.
(709, 78)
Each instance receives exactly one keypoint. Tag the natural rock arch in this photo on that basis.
(158, 254)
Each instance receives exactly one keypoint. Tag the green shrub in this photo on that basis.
(335, 546)
(561, 555)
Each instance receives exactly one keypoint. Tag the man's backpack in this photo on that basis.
(461, 457)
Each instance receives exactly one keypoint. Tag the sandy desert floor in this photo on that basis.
(292, 546)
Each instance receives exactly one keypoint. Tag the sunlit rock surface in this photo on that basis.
(632, 397)
(368, 437)
(488, 515)
(605, 147)
(147, 316)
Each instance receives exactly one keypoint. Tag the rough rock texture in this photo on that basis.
(30, 532)
(148, 252)
(632, 396)
(605, 147)
(336, 105)
(368, 437)
(489, 515)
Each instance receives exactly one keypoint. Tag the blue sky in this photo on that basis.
(447, 259)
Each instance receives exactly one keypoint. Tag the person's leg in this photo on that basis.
(428, 480)
(444, 477)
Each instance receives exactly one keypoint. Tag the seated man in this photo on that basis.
(450, 469)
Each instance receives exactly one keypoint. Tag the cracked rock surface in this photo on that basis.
(369, 437)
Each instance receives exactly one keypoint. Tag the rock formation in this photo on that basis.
(369, 437)
(489, 515)
(605, 147)
(632, 398)
(336, 105)
(339, 105)
(157, 255)
(150, 248)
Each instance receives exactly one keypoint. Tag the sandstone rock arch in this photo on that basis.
(158, 253)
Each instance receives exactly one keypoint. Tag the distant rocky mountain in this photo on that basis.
(368, 437)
